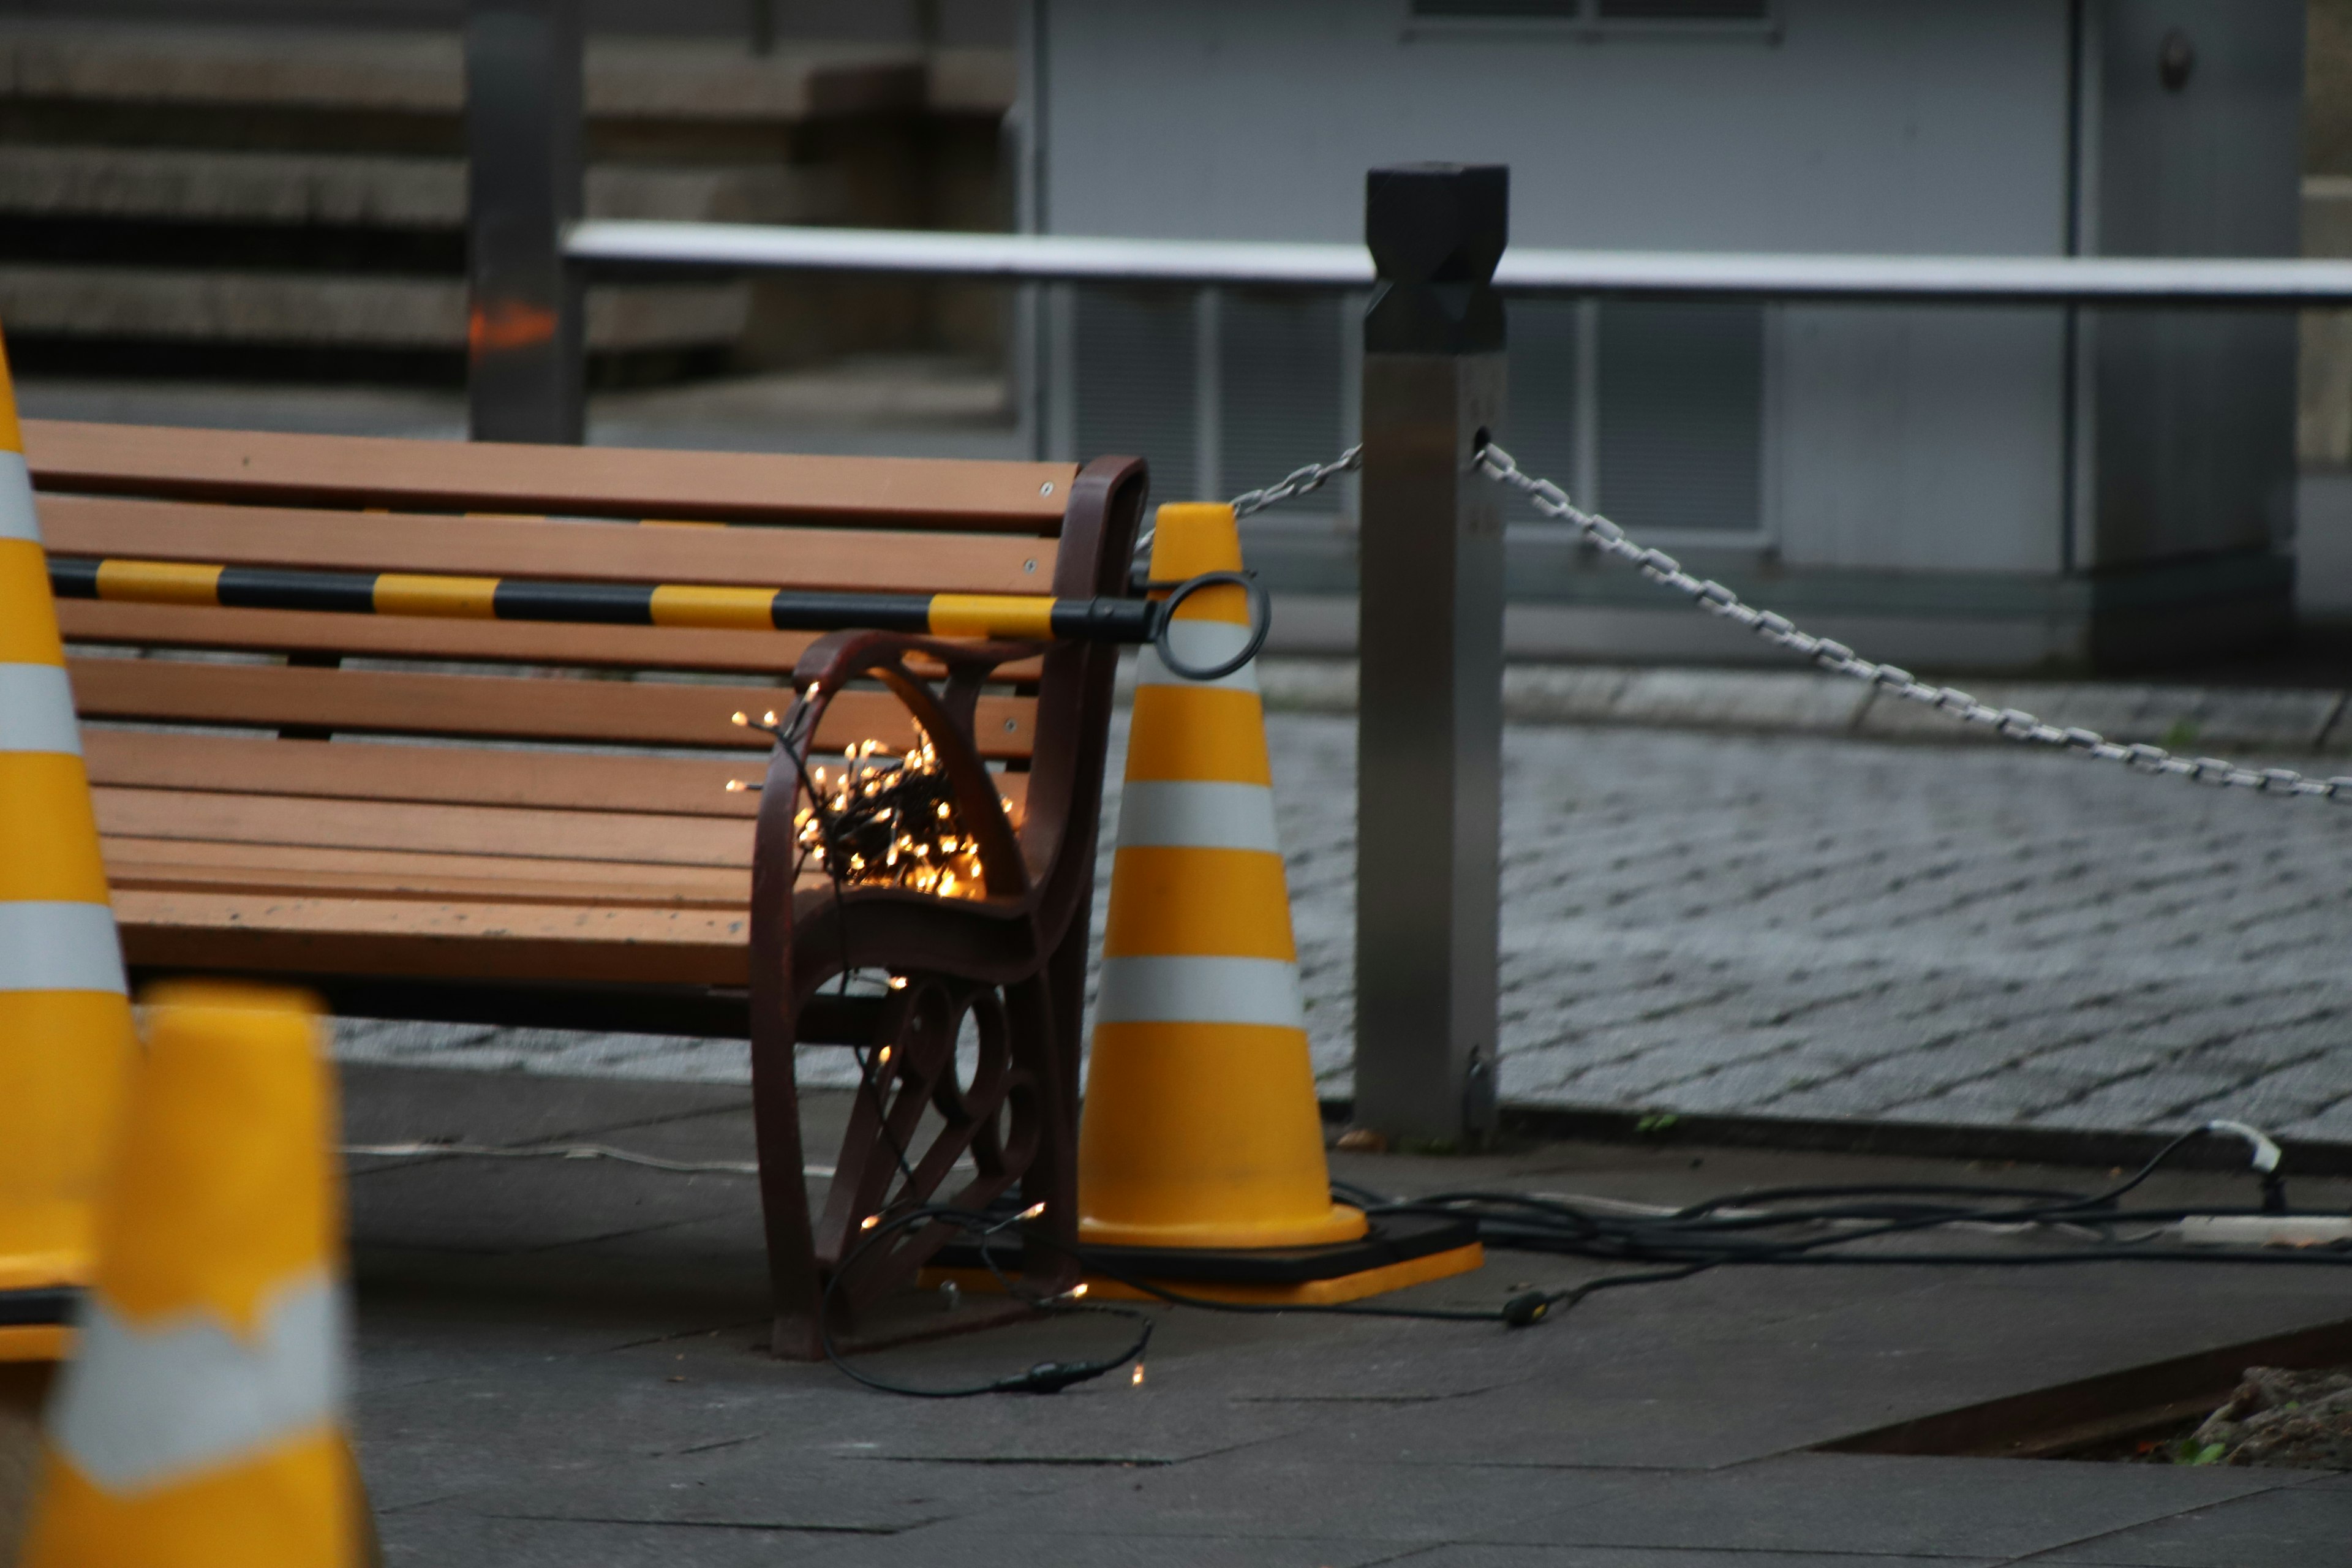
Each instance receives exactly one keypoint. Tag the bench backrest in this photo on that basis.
(588, 514)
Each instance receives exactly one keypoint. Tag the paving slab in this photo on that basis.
(2296, 1525)
(1483, 1556)
(578, 1384)
(1897, 1506)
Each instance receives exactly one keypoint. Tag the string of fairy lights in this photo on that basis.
(886, 819)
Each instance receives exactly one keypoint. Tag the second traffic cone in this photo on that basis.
(1201, 1157)
(1201, 1126)
(199, 1425)
(65, 1035)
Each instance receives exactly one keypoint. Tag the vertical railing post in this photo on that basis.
(1430, 639)
(526, 372)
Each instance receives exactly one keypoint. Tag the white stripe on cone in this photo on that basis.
(1186, 814)
(142, 1408)
(53, 945)
(1200, 644)
(1200, 991)
(16, 517)
(36, 711)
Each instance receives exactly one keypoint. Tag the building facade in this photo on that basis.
(1966, 486)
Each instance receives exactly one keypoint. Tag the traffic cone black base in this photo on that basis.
(1392, 1254)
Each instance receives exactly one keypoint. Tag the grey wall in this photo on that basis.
(1892, 438)
(2193, 424)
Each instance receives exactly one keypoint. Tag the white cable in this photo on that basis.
(567, 1151)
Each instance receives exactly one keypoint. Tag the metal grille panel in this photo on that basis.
(1132, 368)
(1682, 407)
(1280, 386)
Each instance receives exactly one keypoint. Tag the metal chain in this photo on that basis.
(1299, 482)
(1715, 598)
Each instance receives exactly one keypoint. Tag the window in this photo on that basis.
(1654, 412)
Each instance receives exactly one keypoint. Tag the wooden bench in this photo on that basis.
(511, 822)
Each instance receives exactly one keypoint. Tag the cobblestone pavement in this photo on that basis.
(1787, 926)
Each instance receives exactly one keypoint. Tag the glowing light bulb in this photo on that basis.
(869, 1222)
(769, 717)
(1136, 1381)
(1078, 1289)
(734, 786)
(742, 719)
(1033, 1211)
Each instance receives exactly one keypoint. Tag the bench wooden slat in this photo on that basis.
(461, 776)
(515, 833)
(405, 637)
(504, 707)
(375, 471)
(843, 560)
(464, 776)
(549, 943)
(282, 868)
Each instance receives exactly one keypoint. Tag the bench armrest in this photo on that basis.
(946, 716)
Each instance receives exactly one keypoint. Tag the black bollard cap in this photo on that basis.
(1437, 223)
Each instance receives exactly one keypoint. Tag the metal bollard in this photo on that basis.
(525, 336)
(1430, 639)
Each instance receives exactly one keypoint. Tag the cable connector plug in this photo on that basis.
(1526, 1311)
(1053, 1376)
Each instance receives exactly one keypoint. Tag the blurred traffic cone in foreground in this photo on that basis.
(1201, 1156)
(199, 1423)
(66, 1038)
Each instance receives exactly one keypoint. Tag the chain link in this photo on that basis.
(1715, 599)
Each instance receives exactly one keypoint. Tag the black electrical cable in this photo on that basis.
(1679, 1244)
(1699, 1236)
(1043, 1377)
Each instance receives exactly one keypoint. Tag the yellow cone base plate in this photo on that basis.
(1304, 1293)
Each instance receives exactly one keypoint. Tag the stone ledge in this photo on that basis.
(1801, 702)
(423, 73)
(360, 190)
(385, 312)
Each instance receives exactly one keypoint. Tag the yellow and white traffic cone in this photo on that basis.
(65, 1035)
(1201, 1127)
(1201, 1145)
(199, 1425)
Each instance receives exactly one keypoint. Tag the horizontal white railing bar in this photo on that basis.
(1067, 258)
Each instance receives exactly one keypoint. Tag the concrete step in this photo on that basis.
(423, 73)
(311, 309)
(356, 190)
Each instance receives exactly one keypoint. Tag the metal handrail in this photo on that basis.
(1067, 259)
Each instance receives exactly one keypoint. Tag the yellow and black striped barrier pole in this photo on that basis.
(1020, 617)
